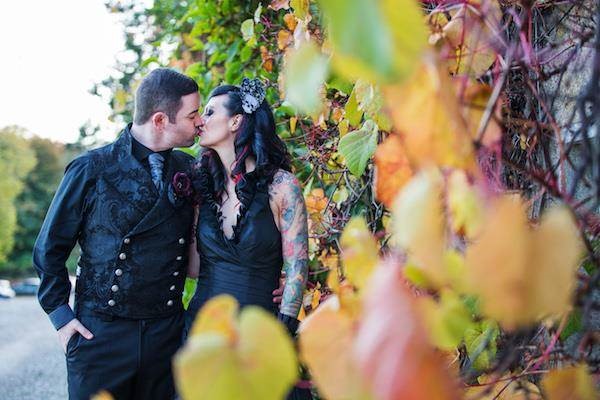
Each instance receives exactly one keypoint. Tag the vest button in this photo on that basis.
(118, 272)
(111, 302)
(127, 240)
(114, 288)
(122, 256)
(181, 241)
(172, 288)
(179, 258)
(170, 303)
(175, 273)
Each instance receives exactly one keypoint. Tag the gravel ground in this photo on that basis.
(32, 364)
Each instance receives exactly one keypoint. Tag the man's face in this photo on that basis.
(183, 131)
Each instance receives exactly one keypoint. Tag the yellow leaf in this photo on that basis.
(293, 122)
(316, 297)
(503, 389)
(521, 274)
(465, 205)
(211, 366)
(446, 320)
(392, 169)
(300, 8)
(326, 340)
(343, 127)
(471, 32)
(418, 224)
(572, 383)
(102, 395)
(360, 252)
(218, 316)
(427, 114)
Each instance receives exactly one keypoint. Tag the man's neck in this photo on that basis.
(146, 136)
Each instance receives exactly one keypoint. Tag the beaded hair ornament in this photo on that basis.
(252, 93)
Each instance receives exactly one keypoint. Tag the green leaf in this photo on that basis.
(353, 113)
(380, 41)
(574, 325)
(358, 147)
(247, 29)
(305, 72)
(481, 344)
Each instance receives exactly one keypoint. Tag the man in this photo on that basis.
(117, 202)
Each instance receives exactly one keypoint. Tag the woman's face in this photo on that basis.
(217, 128)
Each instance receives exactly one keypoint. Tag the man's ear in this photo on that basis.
(235, 122)
(159, 120)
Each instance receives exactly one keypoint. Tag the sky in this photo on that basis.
(52, 52)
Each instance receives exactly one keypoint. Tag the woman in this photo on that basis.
(252, 217)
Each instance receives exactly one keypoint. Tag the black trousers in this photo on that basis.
(129, 358)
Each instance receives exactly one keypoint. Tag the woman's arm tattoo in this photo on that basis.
(294, 235)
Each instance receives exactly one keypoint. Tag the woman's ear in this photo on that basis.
(235, 122)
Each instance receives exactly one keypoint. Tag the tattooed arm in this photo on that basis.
(287, 195)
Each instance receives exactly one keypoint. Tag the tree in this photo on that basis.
(16, 160)
(33, 202)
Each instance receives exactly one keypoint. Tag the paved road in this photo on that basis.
(32, 365)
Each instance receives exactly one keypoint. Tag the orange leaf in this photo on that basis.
(316, 201)
(326, 339)
(573, 383)
(392, 169)
(284, 38)
(391, 345)
(290, 21)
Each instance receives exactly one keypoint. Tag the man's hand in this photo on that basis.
(70, 329)
(278, 293)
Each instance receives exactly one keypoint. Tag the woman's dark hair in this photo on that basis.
(256, 138)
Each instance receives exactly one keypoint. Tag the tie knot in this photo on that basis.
(156, 160)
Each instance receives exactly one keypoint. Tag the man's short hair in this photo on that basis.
(161, 90)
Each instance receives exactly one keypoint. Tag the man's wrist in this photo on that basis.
(61, 316)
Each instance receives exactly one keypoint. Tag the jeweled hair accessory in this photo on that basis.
(253, 94)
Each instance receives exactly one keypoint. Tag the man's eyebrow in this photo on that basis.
(193, 111)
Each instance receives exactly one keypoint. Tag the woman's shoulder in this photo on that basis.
(284, 184)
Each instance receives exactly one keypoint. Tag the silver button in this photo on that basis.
(179, 258)
(172, 288)
(126, 240)
(170, 303)
(122, 256)
(181, 241)
(118, 272)
(111, 302)
(175, 273)
(114, 288)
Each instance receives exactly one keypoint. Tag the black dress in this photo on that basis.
(246, 266)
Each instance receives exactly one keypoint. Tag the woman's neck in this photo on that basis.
(227, 158)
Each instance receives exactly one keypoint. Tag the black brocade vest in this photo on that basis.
(134, 241)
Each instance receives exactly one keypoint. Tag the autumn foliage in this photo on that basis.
(435, 271)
